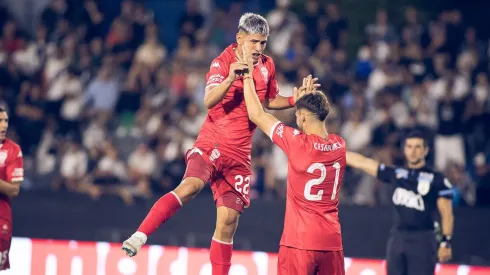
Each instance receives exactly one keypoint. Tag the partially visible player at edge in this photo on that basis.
(311, 242)
(11, 176)
(419, 190)
(222, 152)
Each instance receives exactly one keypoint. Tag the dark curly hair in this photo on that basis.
(316, 103)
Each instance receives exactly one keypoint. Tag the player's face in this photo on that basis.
(415, 151)
(254, 42)
(4, 124)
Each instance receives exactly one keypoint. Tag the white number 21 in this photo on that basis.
(313, 182)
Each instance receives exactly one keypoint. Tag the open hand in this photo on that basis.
(309, 86)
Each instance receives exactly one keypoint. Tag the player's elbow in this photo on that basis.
(208, 103)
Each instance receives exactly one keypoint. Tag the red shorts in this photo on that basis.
(293, 261)
(229, 179)
(5, 241)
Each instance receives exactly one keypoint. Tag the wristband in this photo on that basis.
(446, 241)
(291, 101)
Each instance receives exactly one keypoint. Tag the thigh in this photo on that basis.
(422, 255)
(231, 185)
(198, 165)
(330, 262)
(293, 261)
(395, 257)
(5, 241)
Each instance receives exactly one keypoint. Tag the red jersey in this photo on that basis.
(315, 171)
(11, 170)
(227, 126)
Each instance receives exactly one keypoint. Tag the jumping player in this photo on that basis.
(222, 152)
(11, 176)
(311, 242)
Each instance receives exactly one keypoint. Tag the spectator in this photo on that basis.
(356, 132)
(102, 94)
(152, 53)
(73, 167)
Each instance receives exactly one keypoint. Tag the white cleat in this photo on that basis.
(132, 245)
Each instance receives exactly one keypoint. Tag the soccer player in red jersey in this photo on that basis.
(311, 242)
(222, 152)
(11, 176)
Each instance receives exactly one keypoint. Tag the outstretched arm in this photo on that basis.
(282, 102)
(358, 161)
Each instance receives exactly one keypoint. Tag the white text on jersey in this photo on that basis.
(327, 147)
(408, 199)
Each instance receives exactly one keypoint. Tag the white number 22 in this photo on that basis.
(313, 182)
(238, 184)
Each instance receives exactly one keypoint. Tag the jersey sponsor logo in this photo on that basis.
(327, 147)
(265, 74)
(407, 198)
(424, 182)
(215, 78)
(215, 65)
(280, 130)
(3, 157)
(295, 132)
(20, 154)
(401, 173)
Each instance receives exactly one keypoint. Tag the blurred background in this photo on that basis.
(106, 96)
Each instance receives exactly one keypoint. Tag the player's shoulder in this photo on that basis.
(225, 57)
(435, 176)
(336, 138)
(9, 144)
(268, 61)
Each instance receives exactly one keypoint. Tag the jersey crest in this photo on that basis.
(424, 182)
(265, 74)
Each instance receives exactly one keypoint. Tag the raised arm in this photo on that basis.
(219, 81)
(358, 161)
(256, 113)
(282, 102)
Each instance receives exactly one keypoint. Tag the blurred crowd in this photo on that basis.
(101, 105)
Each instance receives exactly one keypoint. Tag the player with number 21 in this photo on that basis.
(311, 242)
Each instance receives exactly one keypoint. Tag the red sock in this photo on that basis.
(220, 256)
(161, 212)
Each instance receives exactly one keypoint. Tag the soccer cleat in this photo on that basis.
(132, 245)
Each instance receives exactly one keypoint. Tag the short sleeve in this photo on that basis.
(272, 88)
(218, 72)
(15, 167)
(444, 188)
(390, 174)
(285, 137)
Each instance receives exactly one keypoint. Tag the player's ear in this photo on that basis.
(239, 38)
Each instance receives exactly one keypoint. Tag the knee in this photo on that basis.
(189, 188)
(227, 222)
